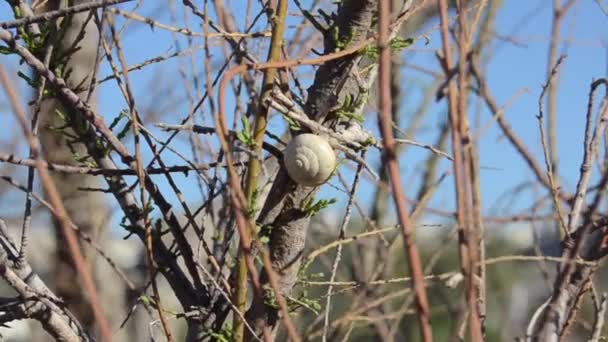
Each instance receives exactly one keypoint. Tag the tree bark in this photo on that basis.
(282, 211)
(74, 42)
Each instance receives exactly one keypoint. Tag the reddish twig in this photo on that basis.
(390, 160)
(228, 75)
(60, 212)
(237, 196)
(254, 167)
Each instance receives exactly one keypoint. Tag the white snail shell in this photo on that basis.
(309, 159)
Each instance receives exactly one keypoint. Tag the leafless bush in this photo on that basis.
(157, 136)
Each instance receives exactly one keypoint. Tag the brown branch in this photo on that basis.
(468, 238)
(50, 15)
(571, 280)
(338, 257)
(60, 212)
(277, 21)
(549, 164)
(508, 130)
(63, 168)
(559, 12)
(283, 210)
(82, 235)
(390, 161)
(139, 168)
(40, 302)
(187, 294)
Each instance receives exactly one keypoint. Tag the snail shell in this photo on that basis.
(309, 159)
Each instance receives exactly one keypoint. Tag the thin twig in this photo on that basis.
(389, 158)
(277, 22)
(140, 176)
(549, 164)
(60, 212)
(334, 268)
(50, 15)
(81, 234)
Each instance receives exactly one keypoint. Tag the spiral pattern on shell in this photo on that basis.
(309, 159)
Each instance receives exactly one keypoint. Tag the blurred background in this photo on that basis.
(370, 300)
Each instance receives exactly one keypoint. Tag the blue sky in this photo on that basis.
(512, 69)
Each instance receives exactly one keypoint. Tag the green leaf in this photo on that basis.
(32, 83)
(124, 114)
(116, 120)
(398, 43)
(6, 51)
(293, 125)
(241, 137)
(350, 108)
(146, 300)
(17, 12)
(245, 135)
(251, 206)
(311, 208)
(401, 43)
(224, 335)
(246, 125)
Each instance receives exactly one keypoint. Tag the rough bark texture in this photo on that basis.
(74, 48)
(353, 23)
(282, 210)
(568, 292)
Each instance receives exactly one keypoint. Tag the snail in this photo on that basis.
(309, 159)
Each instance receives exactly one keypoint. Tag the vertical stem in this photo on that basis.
(390, 161)
(465, 171)
(472, 208)
(152, 266)
(277, 21)
(559, 11)
(551, 91)
(456, 148)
